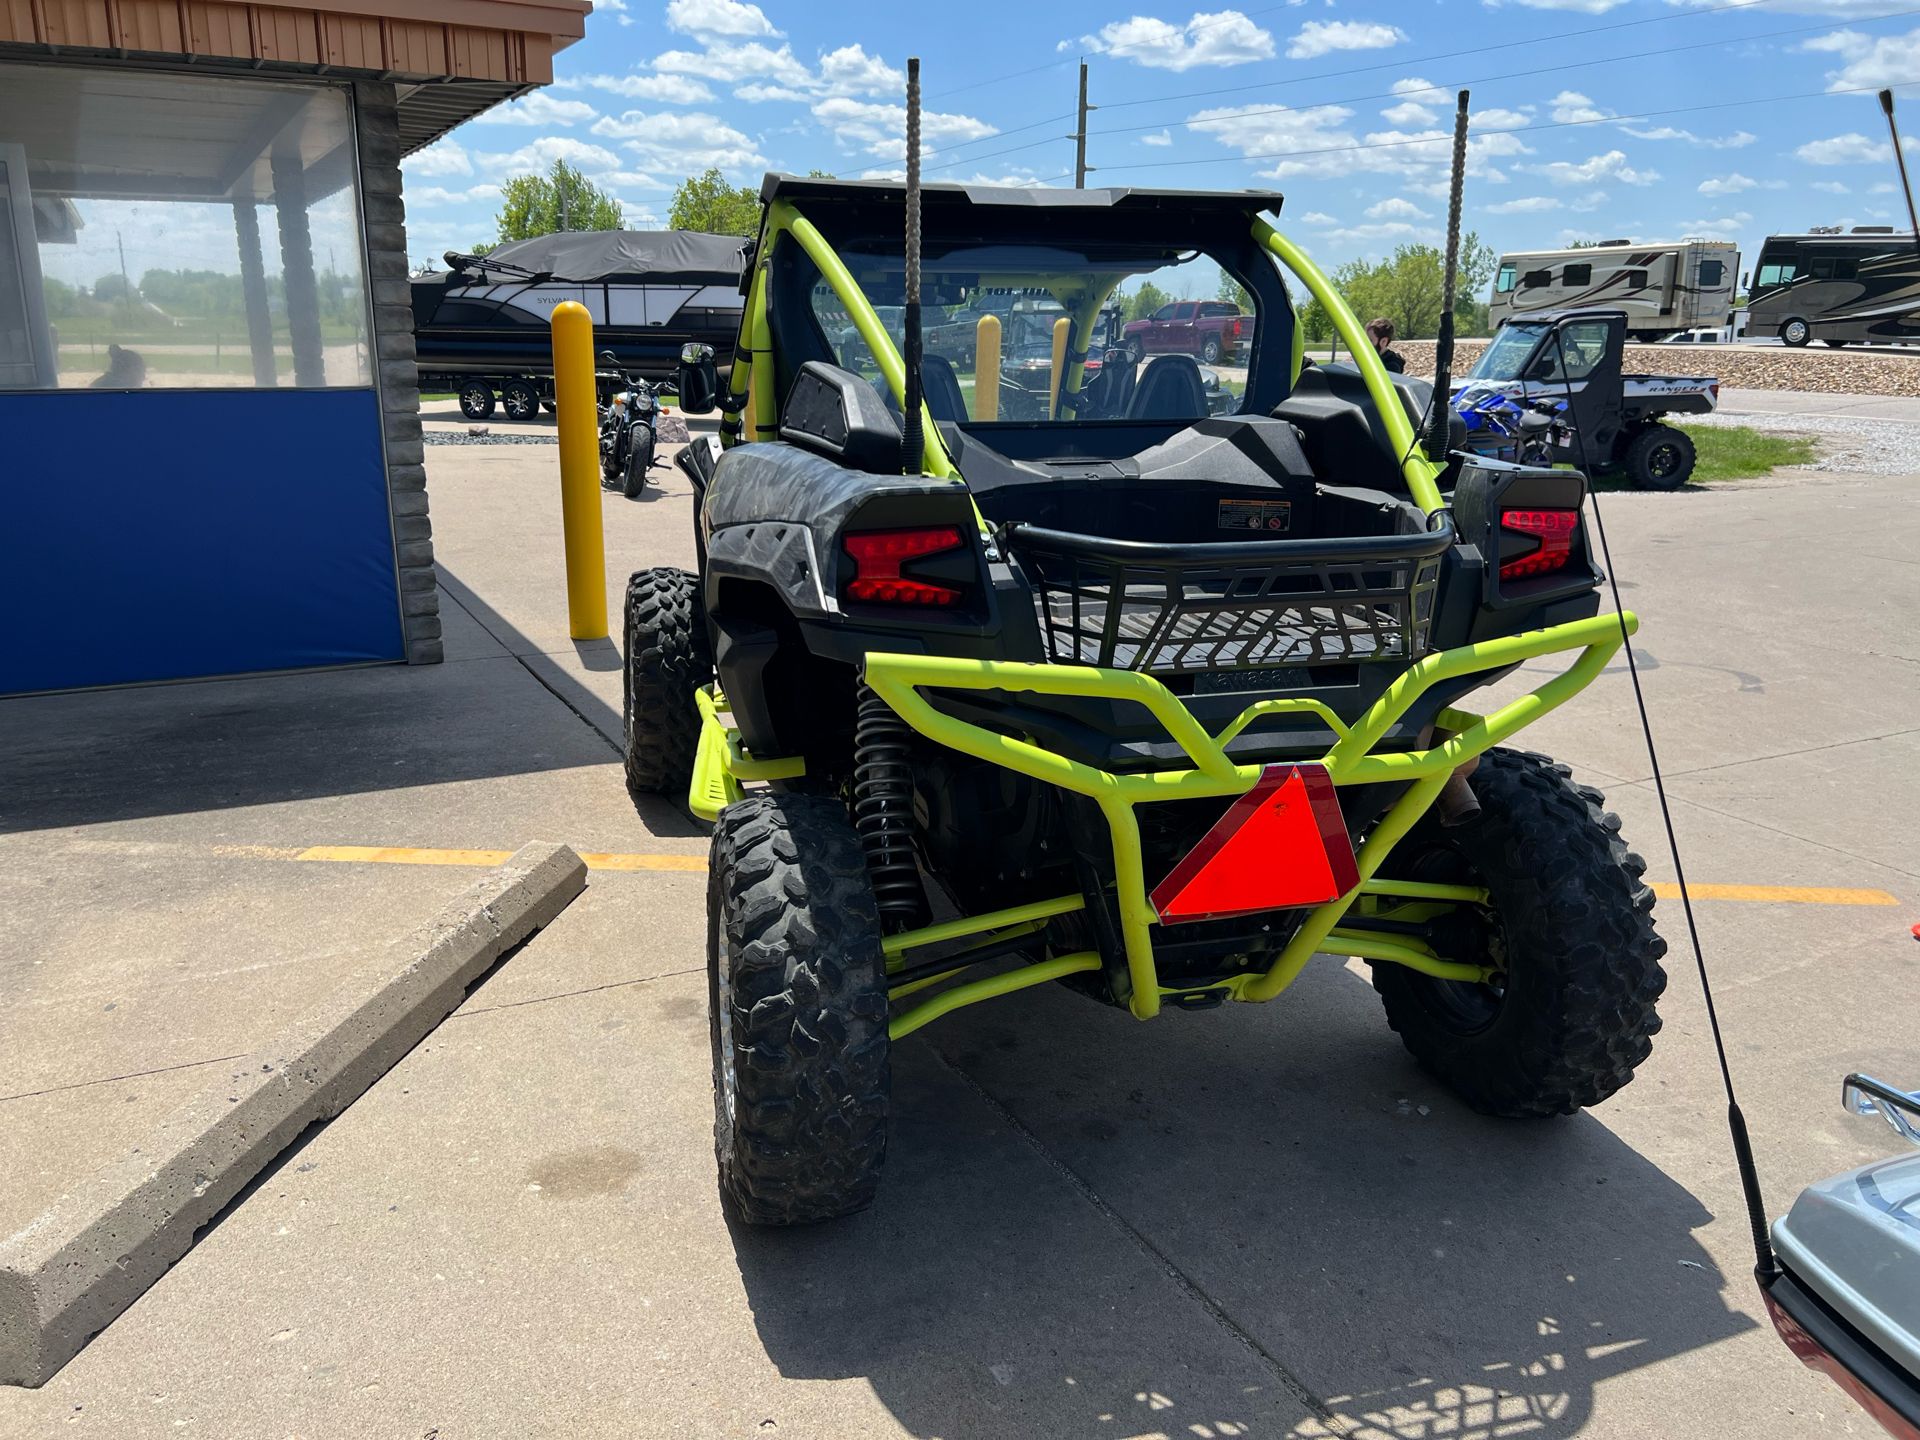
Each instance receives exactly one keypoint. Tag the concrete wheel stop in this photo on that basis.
(70, 1272)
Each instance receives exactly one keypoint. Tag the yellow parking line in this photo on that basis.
(414, 855)
(1777, 894)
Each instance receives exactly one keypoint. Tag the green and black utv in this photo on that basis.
(1154, 703)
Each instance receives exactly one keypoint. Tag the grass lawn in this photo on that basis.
(1737, 452)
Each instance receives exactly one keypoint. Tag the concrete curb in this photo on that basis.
(71, 1271)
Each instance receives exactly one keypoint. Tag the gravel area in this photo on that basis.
(461, 437)
(1751, 367)
(1855, 447)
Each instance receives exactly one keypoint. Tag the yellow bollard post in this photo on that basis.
(986, 368)
(576, 403)
(1060, 329)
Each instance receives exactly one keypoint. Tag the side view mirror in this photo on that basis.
(699, 381)
(609, 360)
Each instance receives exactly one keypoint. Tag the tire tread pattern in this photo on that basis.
(792, 916)
(1579, 1014)
(667, 659)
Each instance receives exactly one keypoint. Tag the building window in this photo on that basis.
(1634, 279)
(1578, 275)
(1536, 279)
(1713, 274)
(178, 232)
(1779, 274)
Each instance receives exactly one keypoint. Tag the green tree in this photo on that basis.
(60, 298)
(1143, 302)
(112, 287)
(708, 202)
(1408, 287)
(1234, 293)
(562, 199)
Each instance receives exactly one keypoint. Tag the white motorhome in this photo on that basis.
(1662, 288)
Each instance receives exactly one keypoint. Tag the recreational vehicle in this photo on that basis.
(1836, 288)
(1662, 288)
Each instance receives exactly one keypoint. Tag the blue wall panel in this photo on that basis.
(155, 534)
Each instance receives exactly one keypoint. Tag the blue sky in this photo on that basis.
(1332, 102)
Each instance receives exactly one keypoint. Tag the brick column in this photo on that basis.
(383, 217)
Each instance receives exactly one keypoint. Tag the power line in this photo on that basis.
(1518, 130)
(1002, 134)
(1511, 75)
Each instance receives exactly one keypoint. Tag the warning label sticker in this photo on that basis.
(1271, 517)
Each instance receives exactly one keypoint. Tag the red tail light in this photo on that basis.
(1552, 532)
(1236, 329)
(878, 556)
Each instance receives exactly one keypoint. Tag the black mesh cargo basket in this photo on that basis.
(1190, 609)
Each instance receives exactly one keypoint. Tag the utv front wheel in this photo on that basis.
(1568, 929)
(797, 996)
(667, 659)
(1658, 457)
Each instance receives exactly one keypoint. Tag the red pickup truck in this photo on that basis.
(1210, 330)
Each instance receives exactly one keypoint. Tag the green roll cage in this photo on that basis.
(722, 764)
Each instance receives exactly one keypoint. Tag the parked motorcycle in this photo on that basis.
(628, 424)
(1505, 427)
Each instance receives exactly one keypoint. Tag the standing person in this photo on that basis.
(1381, 333)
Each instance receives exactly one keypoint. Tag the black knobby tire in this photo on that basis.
(476, 400)
(667, 659)
(1795, 331)
(639, 459)
(1571, 923)
(520, 400)
(1658, 457)
(797, 997)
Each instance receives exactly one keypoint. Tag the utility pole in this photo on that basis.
(1080, 166)
(126, 285)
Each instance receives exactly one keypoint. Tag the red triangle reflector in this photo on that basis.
(1282, 844)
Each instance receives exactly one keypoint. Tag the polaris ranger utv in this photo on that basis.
(1148, 702)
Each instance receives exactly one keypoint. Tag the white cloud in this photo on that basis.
(1831, 187)
(1394, 208)
(662, 89)
(1315, 142)
(1372, 234)
(617, 8)
(718, 17)
(756, 93)
(1323, 37)
(1734, 183)
(1718, 225)
(1610, 166)
(671, 138)
(1165, 137)
(882, 129)
(540, 154)
(1570, 107)
(444, 158)
(1737, 140)
(747, 61)
(1853, 148)
(539, 108)
(1546, 204)
(851, 71)
(1225, 37)
(1497, 118)
(1411, 111)
(437, 195)
(1869, 60)
(1318, 217)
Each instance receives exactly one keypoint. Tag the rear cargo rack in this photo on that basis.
(1189, 609)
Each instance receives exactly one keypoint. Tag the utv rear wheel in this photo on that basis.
(797, 996)
(1568, 927)
(1658, 457)
(667, 659)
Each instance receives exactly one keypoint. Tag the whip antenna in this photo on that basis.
(1441, 410)
(1906, 187)
(912, 444)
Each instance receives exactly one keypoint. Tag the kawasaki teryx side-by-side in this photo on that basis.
(1151, 702)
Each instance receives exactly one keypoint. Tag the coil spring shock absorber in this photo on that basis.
(883, 809)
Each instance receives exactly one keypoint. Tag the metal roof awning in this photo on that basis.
(451, 59)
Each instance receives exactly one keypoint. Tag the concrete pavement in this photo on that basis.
(1803, 402)
(1259, 1221)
